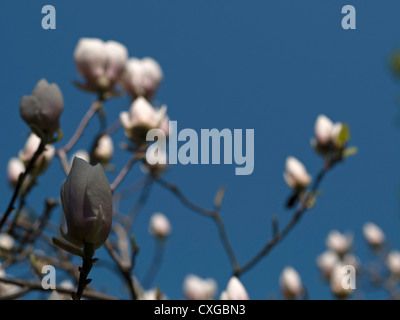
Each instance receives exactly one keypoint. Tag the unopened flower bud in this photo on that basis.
(104, 149)
(296, 175)
(290, 284)
(87, 204)
(373, 235)
(15, 168)
(338, 242)
(326, 262)
(42, 110)
(338, 282)
(326, 135)
(6, 242)
(141, 118)
(159, 225)
(234, 291)
(100, 63)
(141, 77)
(393, 262)
(196, 288)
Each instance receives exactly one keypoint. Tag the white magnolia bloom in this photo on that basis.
(290, 283)
(100, 63)
(141, 118)
(6, 241)
(296, 175)
(31, 145)
(373, 234)
(159, 225)
(141, 77)
(393, 262)
(338, 283)
(14, 169)
(234, 291)
(326, 262)
(87, 204)
(104, 149)
(338, 242)
(196, 288)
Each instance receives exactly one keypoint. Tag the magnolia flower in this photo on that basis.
(290, 283)
(326, 134)
(141, 118)
(87, 204)
(196, 288)
(100, 63)
(234, 291)
(42, 110)
(393, 262)
(373, 234)
(14, 169)
(104, 149)
(326, 262)
(42, 162)
(337, 282)
(159, 225)
(340, 243)
(296, 175)
(141, 77)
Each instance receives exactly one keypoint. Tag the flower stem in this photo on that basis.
(88, 261)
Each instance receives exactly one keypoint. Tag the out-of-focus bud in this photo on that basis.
(159, 225)
(104, 149)
(350, 259)
(155, 164)
(6, 242)
(141, 118)
(290, 284)
(234, 291)
(42, 110)
(338, 242)
(55, 295)
(43, 161)
(328, 135)
(373, 235)
(196, 288)
(326, 262)
(87, 204)
(141, 77)
(14, 169)
(296, 175)
(323, 130)
(100, 63)
(338, 283)
(393, 262)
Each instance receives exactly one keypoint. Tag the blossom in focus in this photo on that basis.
(159, 225)
(290, 283)
(42, 110)
(196, 288)
(234, 290)
(141, 77)
(141, 118)
(100, 63)
(87, 204)
(296, 175)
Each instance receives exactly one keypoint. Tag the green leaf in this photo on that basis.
(344, 134)
(350, 151)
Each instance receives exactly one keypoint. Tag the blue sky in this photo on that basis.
(268, 66)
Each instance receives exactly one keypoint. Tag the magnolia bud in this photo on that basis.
(141, 77)
(296, 175)
(234, 291)
(326, 262)
(290, 283)
(141, 118)
(393, 262)
(159, 226)
(6, 242)
(104, 149)
(196, 288)
(87, 204)
(100, 63)
(14, 169)
(373, 235)
(338, 283)
(323, 130)
(42, 162)
(42, 110)
(338, 242)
